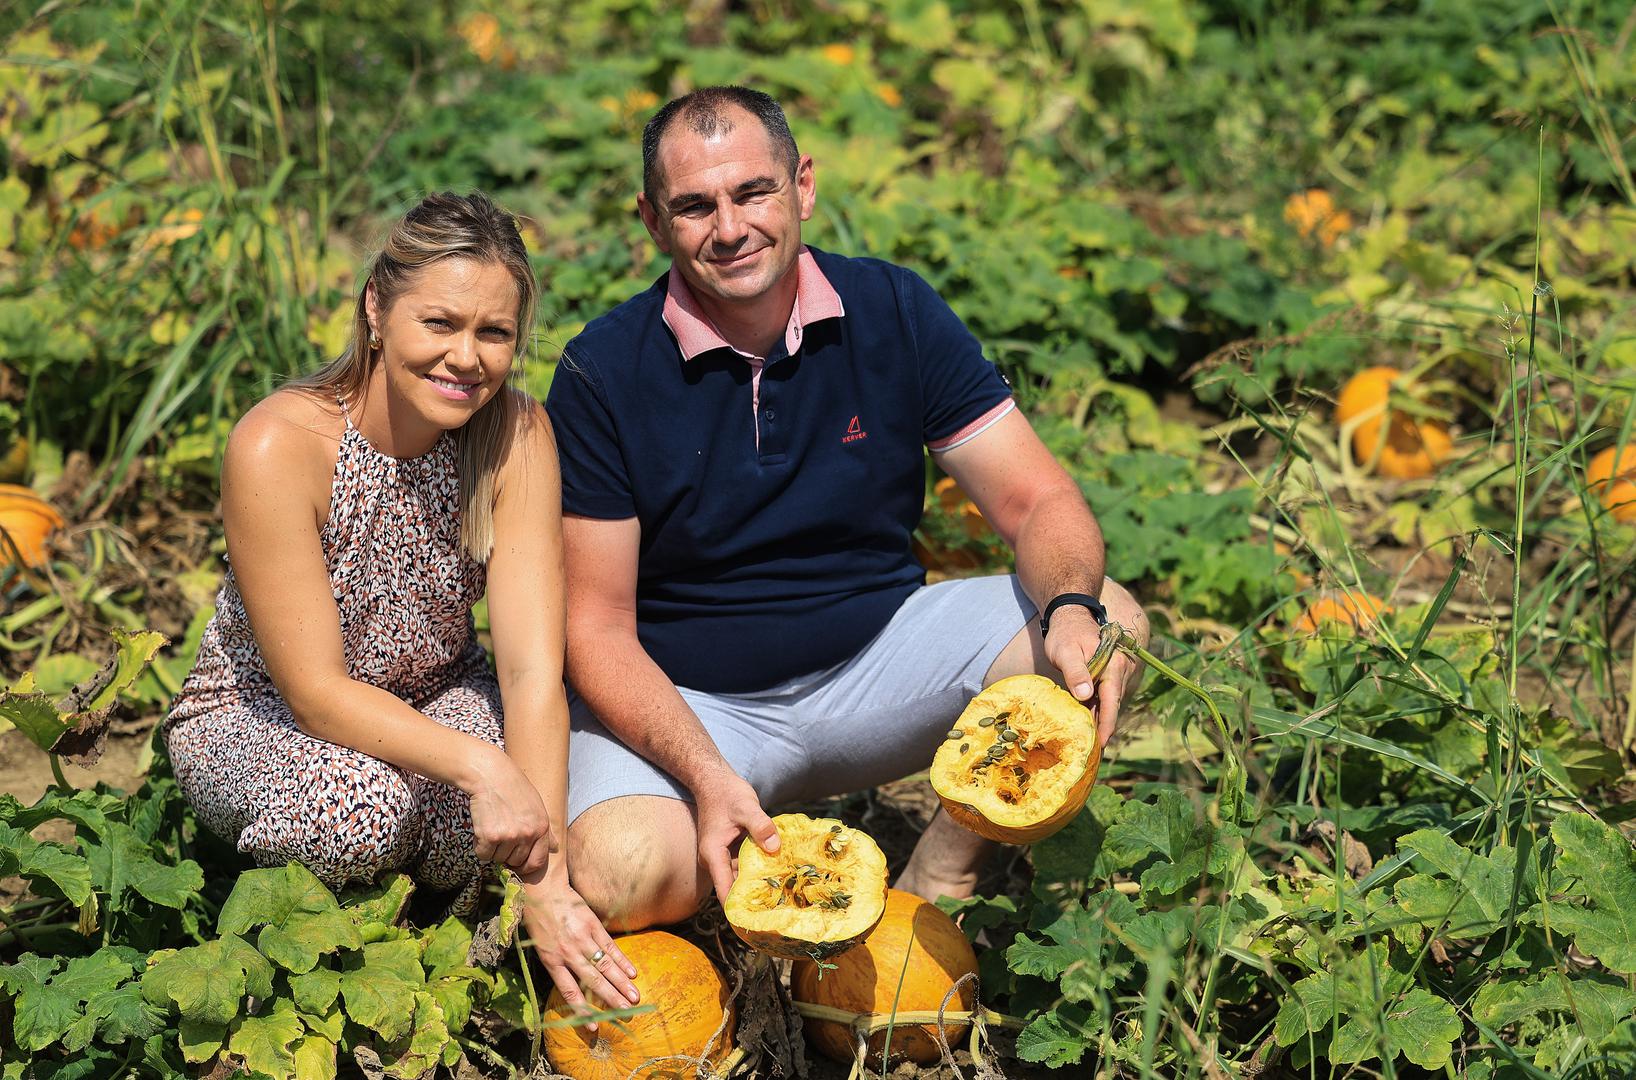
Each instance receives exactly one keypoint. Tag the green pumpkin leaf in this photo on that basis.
(123, 1015)
(1594, 1004)
(266, 1042)
(1416, 1024)
(316, 990)
(23, 856)
(200, 1040)
(447, 946)
(208, 982)
(1059, 1037)
(383, 903)
(121, 861)
(429, 1036)
(297, 943)
(315, 1058)
(272, 895)
(378, 987)
(1602, 865)
(1471, 892)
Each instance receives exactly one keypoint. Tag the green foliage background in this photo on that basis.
(1429, 875)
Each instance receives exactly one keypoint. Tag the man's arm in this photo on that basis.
(634, 699)
(1035, 506)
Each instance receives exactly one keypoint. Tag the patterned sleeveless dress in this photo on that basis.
(404, 587)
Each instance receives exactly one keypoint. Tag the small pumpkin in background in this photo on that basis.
(28, 522)
(1314, 215)
(1020, 761)
(914, 942)
(942, 558)
(1354, 609)
(1409, 448)
(816, 897)
(690, 998)
(1611, 477)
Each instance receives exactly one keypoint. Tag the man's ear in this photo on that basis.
(650, 221)
(806, 185)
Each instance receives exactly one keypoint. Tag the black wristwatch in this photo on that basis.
(1098, 612)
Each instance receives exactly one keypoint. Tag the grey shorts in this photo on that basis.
(874, 718)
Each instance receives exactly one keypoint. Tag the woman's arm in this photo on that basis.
(528, 620)
(276, 480)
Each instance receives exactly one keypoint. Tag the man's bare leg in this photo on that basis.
(635, 861)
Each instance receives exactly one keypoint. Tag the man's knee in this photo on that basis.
(634, 860)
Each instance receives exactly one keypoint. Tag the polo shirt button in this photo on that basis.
(771, 416)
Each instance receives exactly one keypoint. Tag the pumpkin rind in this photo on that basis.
(690, 998)
(865, 981)
(1055, 750)
(1355, 609)
(1611, 477)
(29, 521)
(1412, 450)
(818, 896)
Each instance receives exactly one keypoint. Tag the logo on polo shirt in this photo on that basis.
(854, 432)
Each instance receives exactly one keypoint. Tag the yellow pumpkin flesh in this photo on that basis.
(873, 980)
(690, 999)
(1022, 763)
(816, 897)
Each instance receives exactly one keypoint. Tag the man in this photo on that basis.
(742, 462)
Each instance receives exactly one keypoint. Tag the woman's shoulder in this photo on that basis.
(293, 431)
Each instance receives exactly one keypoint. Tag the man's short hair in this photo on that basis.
(702, 111)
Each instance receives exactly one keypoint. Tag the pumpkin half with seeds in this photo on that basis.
(818, 896)
(1020, 761)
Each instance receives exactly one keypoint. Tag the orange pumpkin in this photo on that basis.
(1611, 477)
(1408, 449)
(865, 981)
(1314, 214)
(690, 999)
(28, 522)
(1355, 609)
(1019, 762)
(952, 500)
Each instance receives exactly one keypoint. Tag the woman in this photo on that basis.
(341, 712)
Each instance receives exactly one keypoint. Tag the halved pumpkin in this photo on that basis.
(818, 896)
(1020, 761)
(690, 999)
(908, 963)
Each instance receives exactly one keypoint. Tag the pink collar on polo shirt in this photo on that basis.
(815, 299)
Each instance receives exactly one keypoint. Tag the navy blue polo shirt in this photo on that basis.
(776, 495)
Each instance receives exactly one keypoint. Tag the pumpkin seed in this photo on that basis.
(789, 882)
(834, 828)
(771, 881)
(964, 747)
(1003, 716)
(954, 733)
(986, 721)
(1008, 736)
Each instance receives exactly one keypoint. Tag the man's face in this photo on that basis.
(728, 213)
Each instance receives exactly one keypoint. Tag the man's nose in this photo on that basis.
(731, 228)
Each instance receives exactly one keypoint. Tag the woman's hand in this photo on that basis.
(577, 951)
(508, 819)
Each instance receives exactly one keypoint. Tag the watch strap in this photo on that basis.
(1085, 600)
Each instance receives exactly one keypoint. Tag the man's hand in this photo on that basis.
(728, 809)
(1072, 642)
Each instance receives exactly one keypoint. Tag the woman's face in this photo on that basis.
(448, 340)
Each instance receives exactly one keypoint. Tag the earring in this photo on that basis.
(374, 340)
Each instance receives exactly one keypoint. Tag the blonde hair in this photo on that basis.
(444, 226)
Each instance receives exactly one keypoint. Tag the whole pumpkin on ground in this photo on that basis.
(1020, 761)
(28, 521)
(1611, 477)
(1409, 449)
(866, 981)
(816, 897)
(690, 999)
(1355, 609)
